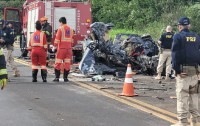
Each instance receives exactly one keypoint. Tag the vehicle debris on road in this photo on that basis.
(103, 56)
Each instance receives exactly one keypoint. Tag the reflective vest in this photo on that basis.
(3, 70)
(37, 41)
(64, 37)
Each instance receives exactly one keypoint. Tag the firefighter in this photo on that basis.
(38, 48)
(165, 41)
(3, 71)
(47, 29)
(185, 62)
(63, 43)
(9, 36)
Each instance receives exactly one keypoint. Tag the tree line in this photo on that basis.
(141, 14)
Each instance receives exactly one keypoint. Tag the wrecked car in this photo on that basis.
(103, 57)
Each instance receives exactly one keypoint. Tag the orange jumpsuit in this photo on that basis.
(63, 42)
(38, 47)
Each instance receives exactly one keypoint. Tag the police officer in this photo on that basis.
(63, 43)
(185, 61)
(165, 41)
(8, 37)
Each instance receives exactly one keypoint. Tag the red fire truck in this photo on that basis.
(77, 13)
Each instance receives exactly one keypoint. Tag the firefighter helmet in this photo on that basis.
(44, 18)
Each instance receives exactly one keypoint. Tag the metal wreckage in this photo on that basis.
(109, 57)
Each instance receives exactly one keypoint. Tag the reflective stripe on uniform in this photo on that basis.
(56, 41)
(39, 67)
(43, 67)
(66, 39)
(45, 46)
(41, 40)
(1, 52)
(67, 60)
(35, 67)
(29, 47)
(58, 60)
(47, 32)
(3, 72)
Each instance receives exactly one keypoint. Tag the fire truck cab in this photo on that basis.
(77, 13)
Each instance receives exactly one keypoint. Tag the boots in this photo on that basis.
(44, 75)
(65, 75)
(34, 75)
(158, 77)
(57, 73)
(16, 73)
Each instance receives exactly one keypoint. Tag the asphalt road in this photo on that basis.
(24, 103)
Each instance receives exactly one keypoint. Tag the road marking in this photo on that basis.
(158, 112)
(129, 103)
(137, 101)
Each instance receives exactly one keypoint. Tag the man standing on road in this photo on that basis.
(165, 41)
(47, 29)
(8, 37)
(63, 43)
(3, 70)
(185, 62)
(38, 48)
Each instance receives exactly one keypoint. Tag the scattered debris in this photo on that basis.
(173, 97)
(98, 78)
(78, 75)
(110, 88)
(160, 98)
(116, 79)
(141, 88)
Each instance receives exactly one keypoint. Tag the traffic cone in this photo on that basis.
(128, 88)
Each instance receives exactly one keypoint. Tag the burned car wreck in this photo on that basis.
(103, 57)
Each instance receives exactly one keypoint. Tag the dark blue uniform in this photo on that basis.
(185, 50)
(166, 39)
(8, 36)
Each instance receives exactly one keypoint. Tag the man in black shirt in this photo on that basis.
(165, 41)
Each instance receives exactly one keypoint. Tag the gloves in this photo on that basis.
(53, 48)
(46, 32)
(3, 83)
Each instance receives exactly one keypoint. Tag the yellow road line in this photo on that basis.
(158, 112)
(117, 98)
(138, 102)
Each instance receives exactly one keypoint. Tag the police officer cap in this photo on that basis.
(184, 21)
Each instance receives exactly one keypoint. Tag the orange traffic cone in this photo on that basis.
(128, 88)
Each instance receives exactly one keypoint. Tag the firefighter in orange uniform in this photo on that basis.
(63, 44)
(38, 48)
